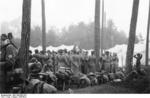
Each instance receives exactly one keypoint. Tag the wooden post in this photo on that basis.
(147, 39)
(43, 26)
(25, 36)
(97, 32)
(132, 32)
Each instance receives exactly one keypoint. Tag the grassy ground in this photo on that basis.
(103, 89)
(139, 86)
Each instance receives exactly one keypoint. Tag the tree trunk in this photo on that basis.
(43, 26)
(102, 27)
(147, 39)
(132, 33)
(25, 36)
(97, 32)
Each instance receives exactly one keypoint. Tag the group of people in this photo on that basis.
(78, 61)
(48, 69)
(72, 67)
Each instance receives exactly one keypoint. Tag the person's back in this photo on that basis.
(37, 86)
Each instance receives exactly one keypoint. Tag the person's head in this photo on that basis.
(107, 53)
(10, 36)
(30, 52)
(65, 50)
(60, 51)
(36, 51)
(48, 51)
(138, 54)
(74, 51)
(92, 52)
(33, 60)
(77, 52)
(4, 39)
(110, 54)
(103, 54)
(53, 52)
(42, 52)
(114, 54)
(86, 53)
(35, 67)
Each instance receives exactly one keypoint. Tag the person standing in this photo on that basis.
(107, 62)
(115, 62)
(138, 61)
(8, 55)
(92, 62)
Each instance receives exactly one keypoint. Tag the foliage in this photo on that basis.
(81, 34)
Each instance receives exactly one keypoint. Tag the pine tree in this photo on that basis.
(25, 36)
(102, 27)
(43, 26)
(97, 32)
(147, 39)
(132, 33)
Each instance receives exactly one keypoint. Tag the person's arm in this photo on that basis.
(141, 56)
(135, 56)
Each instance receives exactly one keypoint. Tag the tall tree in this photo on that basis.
(25, 36)
(132, 33)
(147, 39)
(102, 27)
(97, 32)
(43, 26)
(110, 31)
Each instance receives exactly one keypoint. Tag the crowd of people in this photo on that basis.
(49, 71)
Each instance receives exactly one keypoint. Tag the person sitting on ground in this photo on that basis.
(92, 78)
(35, 85)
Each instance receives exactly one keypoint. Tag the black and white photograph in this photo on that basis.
(74, 47)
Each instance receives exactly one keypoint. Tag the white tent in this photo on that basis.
(51, 48)
(122, 49)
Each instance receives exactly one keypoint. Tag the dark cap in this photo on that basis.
(3, 37)
(36, 51)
